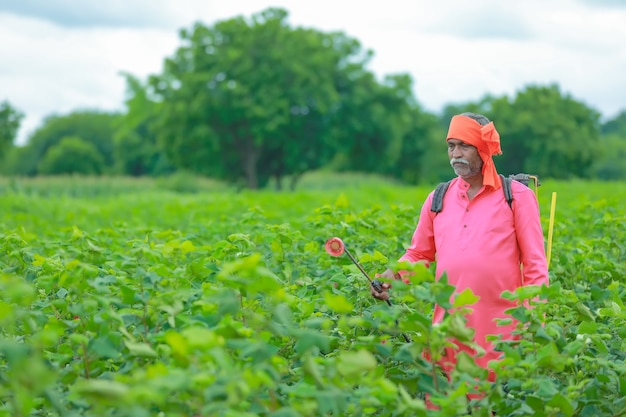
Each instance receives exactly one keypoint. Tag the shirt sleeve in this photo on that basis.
(422, 247)
(530, 237)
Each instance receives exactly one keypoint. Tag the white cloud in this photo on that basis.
(55, 70)
(62, 55)
(110, 13)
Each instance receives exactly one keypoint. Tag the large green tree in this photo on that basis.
(10, 120)
(256, 98)
(94, 127)
(307, 140)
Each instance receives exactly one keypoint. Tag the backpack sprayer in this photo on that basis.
(525, 180)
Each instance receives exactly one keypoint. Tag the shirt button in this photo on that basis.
(466, 209)
(465, 226)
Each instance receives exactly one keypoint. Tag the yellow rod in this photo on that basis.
(551, 226)
(536, 182)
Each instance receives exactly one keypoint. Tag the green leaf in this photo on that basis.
(177, 342)
(330, 402)
(584, 312)
(587, 327)
(79, 339)
(202, 338)
(550, 357)
(467, 364)
(352, 364)
(98, 390)
(599, 344)
(338, 303)
(537, 404)
(573, 348)
(306, 339)
(546, 389)
(103, 347)
(458, 328)
(310, 368)
(417, 406)
(525, 292)
(258, 352)
(285, 412)
(140, 349)
(128, 294)
(622, 385)
(466, 297)
(612, 310)
(283, 315)
(443, 292)
(540, 334)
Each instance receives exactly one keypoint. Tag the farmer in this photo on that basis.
(477, 239)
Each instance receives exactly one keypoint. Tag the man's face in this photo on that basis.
(464, 158)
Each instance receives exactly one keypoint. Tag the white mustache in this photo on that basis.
(459, 161)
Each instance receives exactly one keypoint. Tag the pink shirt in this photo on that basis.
(481, 244)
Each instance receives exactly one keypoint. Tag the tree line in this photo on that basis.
(255, 100)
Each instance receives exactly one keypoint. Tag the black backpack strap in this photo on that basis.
(506, 188)
(440, 191)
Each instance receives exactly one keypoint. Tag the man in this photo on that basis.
(477, 239)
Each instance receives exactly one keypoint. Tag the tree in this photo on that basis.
(94, 127)
(136, 150)
(309, 141)
(615, 126)
(72, 155)
(610, 163)
(10, 120)
(548, 133)
(250, 99)
(423, 158)
(370, 122)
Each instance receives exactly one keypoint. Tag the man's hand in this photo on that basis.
(383, 294)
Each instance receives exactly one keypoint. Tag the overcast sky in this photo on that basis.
(57, 56)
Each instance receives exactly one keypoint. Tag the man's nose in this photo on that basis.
(456, 152)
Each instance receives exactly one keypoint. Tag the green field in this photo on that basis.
(183, 297)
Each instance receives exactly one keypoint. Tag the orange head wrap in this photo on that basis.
(486, 140)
